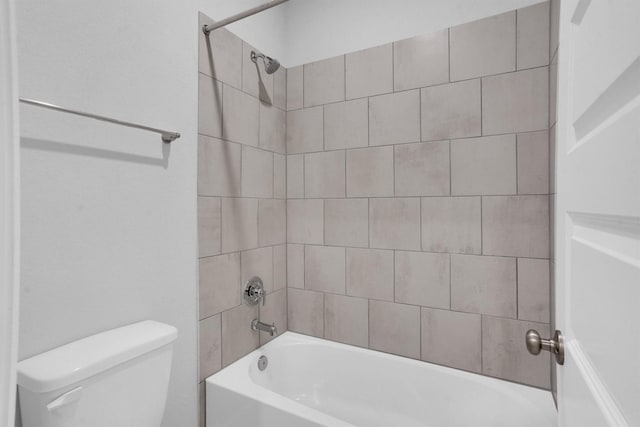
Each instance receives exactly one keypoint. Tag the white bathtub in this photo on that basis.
(313, 382)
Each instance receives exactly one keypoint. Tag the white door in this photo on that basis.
(9, 213)
(598, 212)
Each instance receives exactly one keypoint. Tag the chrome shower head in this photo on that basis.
(271, 65)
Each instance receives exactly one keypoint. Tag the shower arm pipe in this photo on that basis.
(206, 29)
(166, 135)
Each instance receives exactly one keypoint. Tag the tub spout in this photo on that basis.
(256, 325)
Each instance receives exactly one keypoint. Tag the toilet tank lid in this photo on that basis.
(92, 355)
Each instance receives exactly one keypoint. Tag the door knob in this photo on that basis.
(555, 345)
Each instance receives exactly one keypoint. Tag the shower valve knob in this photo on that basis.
(254, 291)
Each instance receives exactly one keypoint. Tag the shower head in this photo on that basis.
(270, 64)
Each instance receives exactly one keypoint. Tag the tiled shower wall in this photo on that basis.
(418, 196)
(241, 199)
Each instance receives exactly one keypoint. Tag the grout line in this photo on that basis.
(368, 222)
(421, 221)
(516, 160)
(324, 228)
(450, 173)
(368, 323)
(394, 274)
(481, 344)
(481, 229)
(420, 326)
(449, 52)
(344, 70)
(517, 291)
(393, 67)
(221, 228)
(515, 48)
(393, 156)
(450, 282)
(481, 111)
(323, 309)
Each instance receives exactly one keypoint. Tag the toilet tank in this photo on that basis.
(117, 378)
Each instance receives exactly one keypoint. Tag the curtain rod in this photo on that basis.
(206, 29)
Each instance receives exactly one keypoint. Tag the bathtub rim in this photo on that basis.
(244, 385)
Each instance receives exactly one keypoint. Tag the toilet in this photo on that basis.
(117, 378)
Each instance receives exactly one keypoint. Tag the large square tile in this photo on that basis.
(346, 124)
(516, 226)
(369, 72)
(346, 222)
(451, 224)
(305, 221)
(394, 328)
(208, 226)
(394, 223)
(370, 172)
(422, 279)
(295, 176)
(295, 266)
(305, 312)
(279, 176)
(280, 88)
(324, 81)
(515, 102)
(484, 165)
(304, 130)
(370, 273)
(218, 167)
(210, 346)
(533, 36)
(533, 162)
(422, 169)
(257, 173)
(239, 224)
(209, 106)
(272, 222)
(451, 111)
(453, 339)
(237, 337)
(279, 267)
(294, 88)
(219, 284)
(505, 356)
(483, 47)
(533, 290)
(240, 117)
(273, 128)
(324, 269)
(324, 174)
(346, 319)
(421, 61)
(394, 118)
(484, 285)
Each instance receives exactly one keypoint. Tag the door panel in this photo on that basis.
(598, 212)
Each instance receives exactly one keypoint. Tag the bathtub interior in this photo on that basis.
(365, 387)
